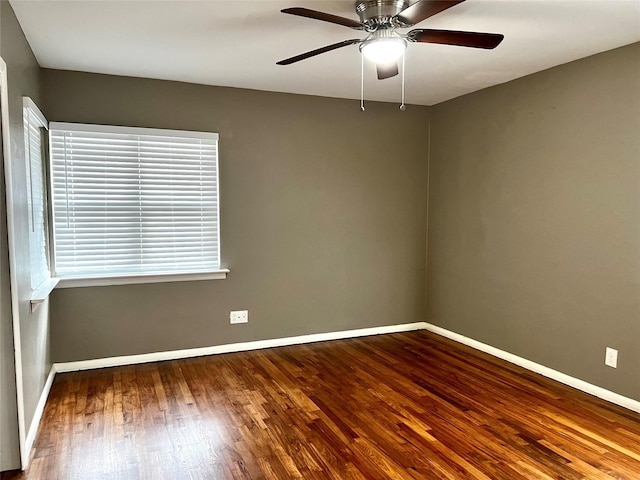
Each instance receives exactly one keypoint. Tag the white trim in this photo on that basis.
(219, 232)
(31, 105)
(39, 295)
(135, 279)
(233, 347)
(30, 110)
(13, 266)
(576, 383)
(37, 415)
(318, 337)
(85, 127)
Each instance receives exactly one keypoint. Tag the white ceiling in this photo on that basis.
(237, 43)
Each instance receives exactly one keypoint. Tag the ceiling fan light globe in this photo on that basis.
(384, 51)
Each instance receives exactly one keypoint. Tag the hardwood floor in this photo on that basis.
(401, 406)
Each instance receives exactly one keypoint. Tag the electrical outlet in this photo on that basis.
(611, 357)
(239, 316)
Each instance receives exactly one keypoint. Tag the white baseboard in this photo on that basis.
(37, 416)
(576, 383)
(232, 347)
(318, 337)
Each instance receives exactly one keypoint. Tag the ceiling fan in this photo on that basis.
(382, 19)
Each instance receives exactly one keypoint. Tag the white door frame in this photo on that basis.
(15, 307)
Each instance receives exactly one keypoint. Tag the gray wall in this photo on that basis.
(23, 79)
(323, 218)
(534, 217)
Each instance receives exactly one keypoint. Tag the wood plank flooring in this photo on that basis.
(400, 406)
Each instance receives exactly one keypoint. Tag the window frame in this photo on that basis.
(136, 277)
(41, 291)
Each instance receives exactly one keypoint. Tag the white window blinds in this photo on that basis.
(133, 201)
(35, 125)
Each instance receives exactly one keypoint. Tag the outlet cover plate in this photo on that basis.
(611, 357)
(239, 316)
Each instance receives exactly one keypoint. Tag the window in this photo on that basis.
(133, 203)
(35, 125)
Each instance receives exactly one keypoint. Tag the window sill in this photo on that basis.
(42, 293)
(136, 279)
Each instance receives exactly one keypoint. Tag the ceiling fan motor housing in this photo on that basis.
(379, 13)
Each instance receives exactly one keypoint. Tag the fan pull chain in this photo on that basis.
(402, 105)
(362, 82)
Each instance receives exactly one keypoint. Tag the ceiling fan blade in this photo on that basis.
(421, 10)
(325, 17)
(451, 37)
(318, 51)
(387, 70)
